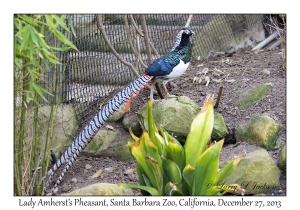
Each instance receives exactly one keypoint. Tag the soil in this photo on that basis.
(242, 71)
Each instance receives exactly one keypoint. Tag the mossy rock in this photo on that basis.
(261, 130)
(219, 130)
(130, 121)
(119, 151)
(175, 115)
(282, 158)
(100, 142)
(64, 124)
(257, 173)
(258, 94)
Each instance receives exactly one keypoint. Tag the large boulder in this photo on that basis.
(175, 115)
(106, 144)
(261, 130)
(257, 173)
(64, 124)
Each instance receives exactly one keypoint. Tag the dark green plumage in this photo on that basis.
(183, 53)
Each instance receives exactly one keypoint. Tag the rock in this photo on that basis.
(257, 173)
(175, 115)
(261, 130)
(109, 127)
(129, 171)
(219, 129)
(105, 144)
(254, 97)
(100, 142)
(129, 192)
(130, 121)
(118, 150)
(98, 189)
(282, 158)
(74, 180)
(266, 72)
(109, 169)
(87, 166)
(65, 126)
(66, 188)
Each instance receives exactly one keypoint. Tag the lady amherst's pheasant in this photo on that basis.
(167, 68)
(173, 64)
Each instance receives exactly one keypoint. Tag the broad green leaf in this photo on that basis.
(154, 173)
(150, 148)
(188, 174)
(168, 137)
(173, 172)
(160, 138)
(147, 181)
(206, 169)
(152, 129)
(186, 188)
(176, 154)
(148, 159)
(129, 144)
(140, 172)
(172, 190)
(200, 133)
(150, 190)
(228, 169)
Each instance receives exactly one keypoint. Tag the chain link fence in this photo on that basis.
(113, 49)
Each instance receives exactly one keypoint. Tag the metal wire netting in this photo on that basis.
(94, 71)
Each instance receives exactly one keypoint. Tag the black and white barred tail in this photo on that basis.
(85, 136)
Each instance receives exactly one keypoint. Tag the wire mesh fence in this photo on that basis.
(113, 49)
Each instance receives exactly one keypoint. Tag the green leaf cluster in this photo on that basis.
(34, 54)
(38, 39)
(165, 167)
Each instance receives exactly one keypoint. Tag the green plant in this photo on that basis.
(165, 167)
(37, 40)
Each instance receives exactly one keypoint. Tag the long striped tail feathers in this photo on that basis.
(89, 131)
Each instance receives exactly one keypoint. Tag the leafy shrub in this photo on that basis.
(165, 167)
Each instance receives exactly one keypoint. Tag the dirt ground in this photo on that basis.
(241, 71)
